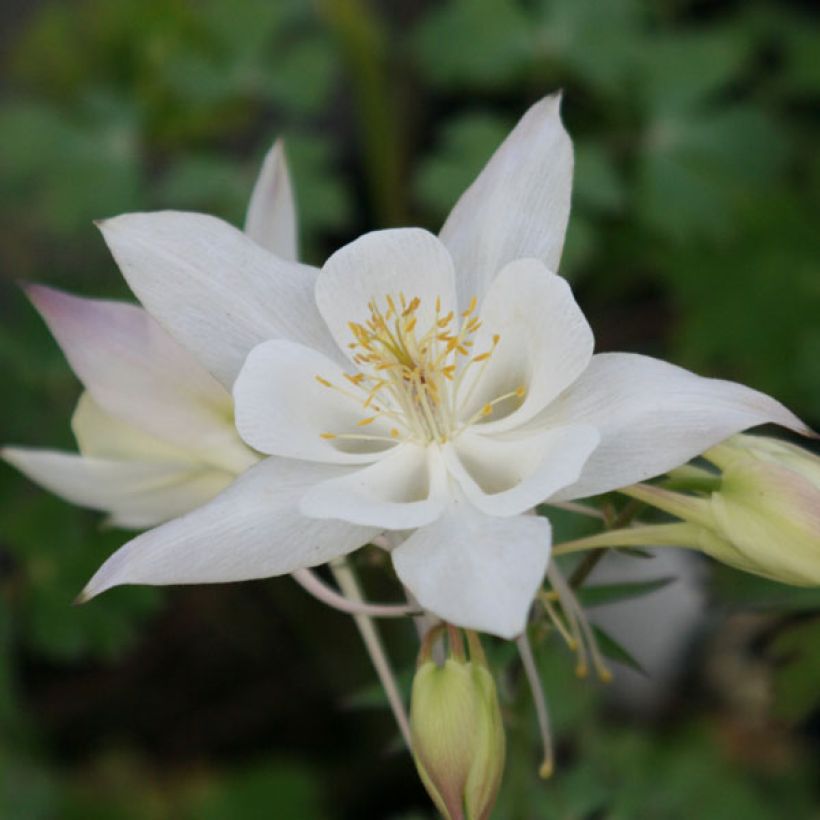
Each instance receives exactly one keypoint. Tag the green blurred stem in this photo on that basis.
(363, 41)
(346, 579)
(657, 535)
(624, 517)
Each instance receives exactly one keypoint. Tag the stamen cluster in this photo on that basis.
(416, 379)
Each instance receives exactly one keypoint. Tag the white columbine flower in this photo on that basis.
(435, 389)
(154, 429)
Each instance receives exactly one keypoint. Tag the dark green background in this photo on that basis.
(694, 236)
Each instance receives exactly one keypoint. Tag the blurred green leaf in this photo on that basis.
(700, 169)
(322, 198)
(682, 68)
(59, 548)
(616, 651)
(28, 791)
(797, 678)
(284, 789)
(597, 184)
(69, 172)
(599, 594)
(598, 42)
(495, 35)
(209, 183)
(464, 147)
(740, 590)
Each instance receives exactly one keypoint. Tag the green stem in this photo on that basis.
(681, 506)
(346, 579)
(657, 535)
(364, 44)
(589, 562)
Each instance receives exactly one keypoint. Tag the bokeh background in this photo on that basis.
(694, 237)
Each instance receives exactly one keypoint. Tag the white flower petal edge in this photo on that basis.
(518, 206)
(510, 474)
(251, 530)
(477, 571)
(271, 218)
(379, 265)
(407, 488)
(539, 338)
(135, 494)
(654, 416)
(140, 375)
(213, 288)
(282, 407)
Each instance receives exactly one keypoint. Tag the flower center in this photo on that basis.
(415, 377)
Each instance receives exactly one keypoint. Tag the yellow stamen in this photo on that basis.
(410, 376)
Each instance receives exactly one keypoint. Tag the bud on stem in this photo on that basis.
(456, 726)
(761, 514)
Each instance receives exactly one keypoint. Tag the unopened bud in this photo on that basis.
(457, 731)
(762, 517)
(767, 512)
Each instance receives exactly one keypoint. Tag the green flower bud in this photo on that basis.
(762, 517)
(766, 514)
(457, 731)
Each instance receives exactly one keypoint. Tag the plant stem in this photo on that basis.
(364, 44)
(346, 579)
(589, 562)
(657, 535)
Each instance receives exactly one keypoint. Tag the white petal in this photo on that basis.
(545, 344)
(282, 409)
(101, 435)
(136, 372)
(519, 204)
(215, 289)
(136, 494)
(654, 416)
(271, 218)
(251, 530)
(509, 474)
(404, 489)
(380, 264)
(477, 571)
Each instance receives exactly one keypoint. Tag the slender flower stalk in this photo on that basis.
(349, 600)
(346, 578)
